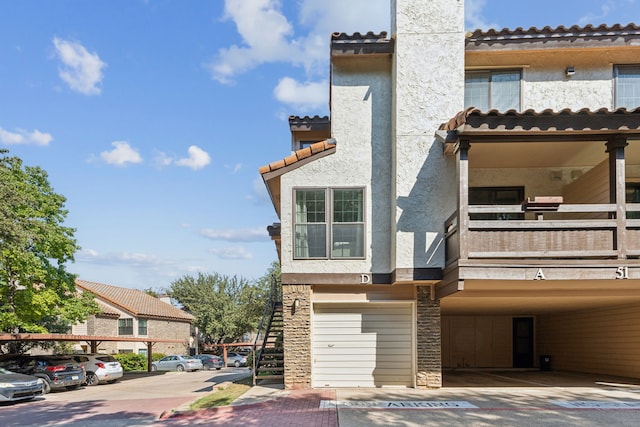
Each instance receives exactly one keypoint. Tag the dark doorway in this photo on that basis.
(523, 342)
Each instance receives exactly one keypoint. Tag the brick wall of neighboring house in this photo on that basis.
(170, 330)
(297, 336)
(104, 326)
(428, 328)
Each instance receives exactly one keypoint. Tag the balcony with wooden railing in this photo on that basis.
(570, 231)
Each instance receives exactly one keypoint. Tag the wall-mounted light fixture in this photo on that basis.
(569, 71)
(296, 305)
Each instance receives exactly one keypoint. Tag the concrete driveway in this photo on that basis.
(135, 400)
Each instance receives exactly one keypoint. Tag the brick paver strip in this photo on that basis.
(297, 408)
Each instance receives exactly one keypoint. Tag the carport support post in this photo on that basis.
(149, 355)
(428, 330)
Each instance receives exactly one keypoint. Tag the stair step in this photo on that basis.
(271, 363)
(271, 369)
(270, 377)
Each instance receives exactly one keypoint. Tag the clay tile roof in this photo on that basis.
(298, 155)
(297, 123)
(620, 120)
(574, 37)
(107, 310)
(560, 31)
(135, 301)
(356, 43)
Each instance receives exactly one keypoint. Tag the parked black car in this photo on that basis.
(58, 372)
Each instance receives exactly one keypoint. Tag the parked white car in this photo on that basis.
(100, 368)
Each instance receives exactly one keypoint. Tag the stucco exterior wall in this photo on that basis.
(361, 128)
(428, 77)
(547, 87)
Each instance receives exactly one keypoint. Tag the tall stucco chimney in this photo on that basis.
(428, 81)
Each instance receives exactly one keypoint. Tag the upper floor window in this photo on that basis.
(492, 90)
(142, 326)
(329, 223)
(627, 86)
(125, 326)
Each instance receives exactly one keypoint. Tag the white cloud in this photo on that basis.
(198, 158)
(244, 235)
(135, 259)
(606, 9)
(234, 168)
(302, 95)
(232, 252)
(474, 17)
(81, 69)
(162, 159)
(264, 30)
(121, 154)
(268, 36)
(21, 136)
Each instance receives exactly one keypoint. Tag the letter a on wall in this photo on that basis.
(539, 275)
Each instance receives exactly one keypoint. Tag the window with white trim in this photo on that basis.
(627, 86)
(328, 223)
(493, 90)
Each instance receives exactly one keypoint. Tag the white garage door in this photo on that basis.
(362, 345)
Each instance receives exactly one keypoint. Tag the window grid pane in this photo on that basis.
(492, 90)
(347, 228)
(310, 206)
(348, 241)
(310, 241)
(142, 327)
(310, 229)
(627, 87)
(125, 326)
(347, 206)
(476, 91)
(505, 91)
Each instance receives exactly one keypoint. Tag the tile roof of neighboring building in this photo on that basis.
(309, 152)
(135, 301)
(107, 310)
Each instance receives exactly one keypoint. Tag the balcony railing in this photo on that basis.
(569, 231)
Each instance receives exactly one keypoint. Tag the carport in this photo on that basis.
(589, 326)
(92, 340)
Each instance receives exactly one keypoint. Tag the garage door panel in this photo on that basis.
(362, 345)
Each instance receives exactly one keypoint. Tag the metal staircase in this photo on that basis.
(268, 363)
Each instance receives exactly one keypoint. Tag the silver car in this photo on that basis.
(14, 387)
(100, 368)
(177, 363)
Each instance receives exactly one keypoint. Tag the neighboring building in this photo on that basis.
(131, 313)
(418, 233)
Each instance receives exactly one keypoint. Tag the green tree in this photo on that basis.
(225, 307)
(37, 294)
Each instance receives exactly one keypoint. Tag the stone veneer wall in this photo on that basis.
(428, 330)
(297, 336)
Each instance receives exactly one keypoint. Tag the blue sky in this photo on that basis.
(152, 116)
